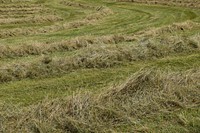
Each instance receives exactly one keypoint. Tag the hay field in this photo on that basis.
(99, 66)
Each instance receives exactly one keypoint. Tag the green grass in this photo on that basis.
(102, 50)
(31, 91)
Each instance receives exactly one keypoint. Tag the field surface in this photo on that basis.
(95, 66)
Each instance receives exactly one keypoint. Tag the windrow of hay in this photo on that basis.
(17, 9)
(21, 5)
(173, 28)
(14, 1)
(98, 56)
(17, 13)
(29, 31)
(80, 42)
(88, 20)
(21, 50)
(21, 14)
(147, 93)
(4, 16)
(79, 5)
(183, 3)
(31, 19)
(14, 9)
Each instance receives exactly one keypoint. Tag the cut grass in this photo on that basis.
(147, 93)
(99, 66)
(30, 91)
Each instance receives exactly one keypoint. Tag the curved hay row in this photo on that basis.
(79, 5)
(89, 19)
(97, 56)
(68, 45)
(31, 20)
(147, 93)
(173, 28)
(183, 3)
(14, 1)
(27, 14)
(80, 42)
(21, 5)
(19, 9)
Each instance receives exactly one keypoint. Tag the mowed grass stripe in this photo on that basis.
(88, 20)
(124, 21)
(30, 91)
(94, 57)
